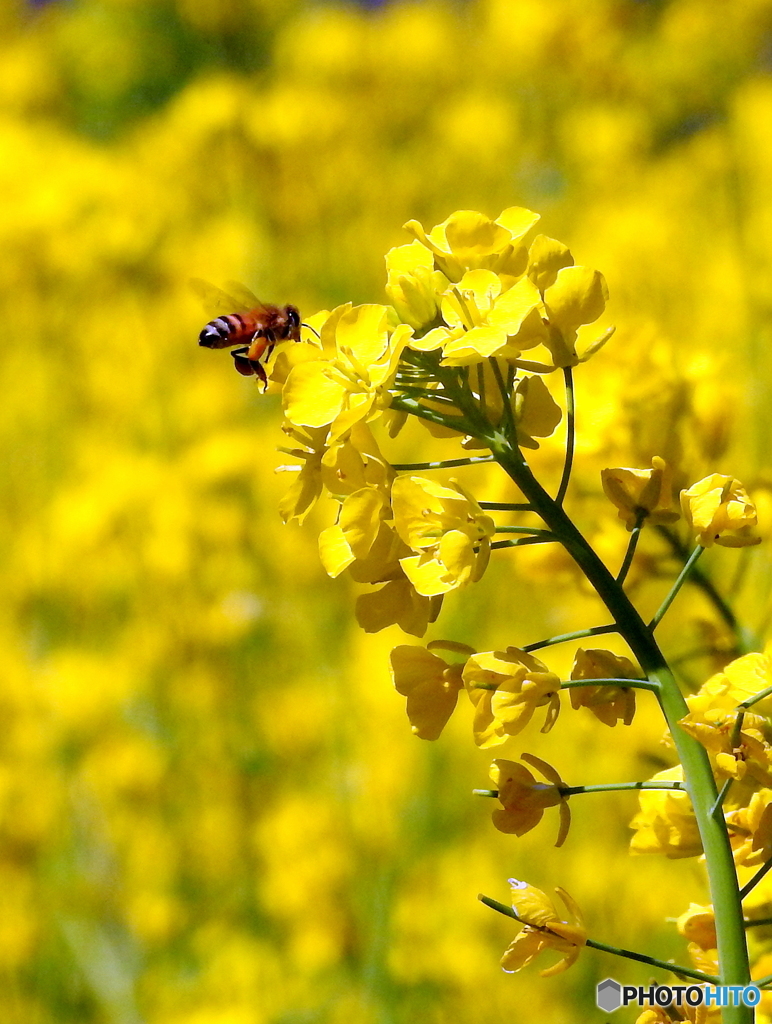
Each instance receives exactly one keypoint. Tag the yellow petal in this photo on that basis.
(472, 346)
(360, 519)
(518, 221)
(311, 397)
(545, 258)
(577, 297)
(363, 331)
(428, 576)
(334, 551)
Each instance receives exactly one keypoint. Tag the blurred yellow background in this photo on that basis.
(211, 807)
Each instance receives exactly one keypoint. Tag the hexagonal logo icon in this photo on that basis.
(609, 995)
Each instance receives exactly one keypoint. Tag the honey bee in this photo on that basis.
(253, 325)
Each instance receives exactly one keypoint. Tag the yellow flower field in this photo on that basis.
(212, 807)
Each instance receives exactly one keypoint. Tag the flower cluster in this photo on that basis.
(472, 292)
(482, 312)
(494, 294)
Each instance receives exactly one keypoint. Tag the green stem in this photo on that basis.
(638, 684)
(755, 698)
(751, 885)
(405, 403)
(631, 546)
(579, 634)
(618, 787)
(628, 954)
(505, 398)
(501, 506)
(700, 784)
(406, 467)
(570, 434)
(744, 640)
(533, 530)
(481, 383)
(546, 539)
(719, 802)
(682, 578)
(611, 787)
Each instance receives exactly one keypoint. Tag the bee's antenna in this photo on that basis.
(312, 329)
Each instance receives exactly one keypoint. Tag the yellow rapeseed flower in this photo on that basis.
(536, 413)
(468, 240)
(546, 257)
(737, 682)
(610, 704)
(396, 602)
(543, 929)
(352, 382)
(719, 511)
(447, 528)
(343, 468)
(524, 799)
(414, 287)
(578, 297)
(742, 757)
(751, 831)
(485, 320)
(637, 491)
(506, 688)
(698, 925)
(666, 823)
(692, 1014)
(430, 683)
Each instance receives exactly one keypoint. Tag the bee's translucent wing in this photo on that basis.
(242, 294)
(237, 299)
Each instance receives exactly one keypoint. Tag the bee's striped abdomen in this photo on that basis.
(232, 329)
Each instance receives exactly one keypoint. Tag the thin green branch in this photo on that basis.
(481, 384)
(682, 577)
(405, 403)
(611, 787)
(619, 787)
(578, 635)
(534, 530)
(685, 972)
(723, 794)
(473, 460)
(744, 641)
(428, 394)
(638, 684)
(505, 397)
(504, 506)
(497, 545)
(632, 544)
(755, 698)
(570, 435)
(753, 882)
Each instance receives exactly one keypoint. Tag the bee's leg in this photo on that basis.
(244, 365)
(259, 368)
(260, 371)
